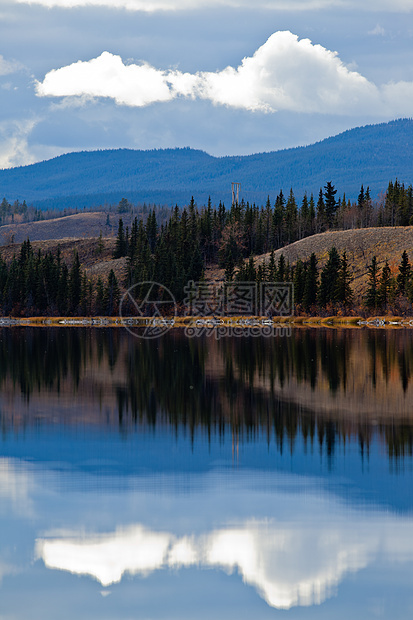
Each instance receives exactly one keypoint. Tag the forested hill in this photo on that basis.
(370, 155)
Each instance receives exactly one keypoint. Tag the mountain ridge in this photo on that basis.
(371, 155)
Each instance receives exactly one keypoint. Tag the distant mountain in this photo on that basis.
(372, 155)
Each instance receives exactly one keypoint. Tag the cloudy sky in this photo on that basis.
(226, 76)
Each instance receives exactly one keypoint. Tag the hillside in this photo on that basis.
(371, 155)
(95, 262)
(72, 226)
(359, 244)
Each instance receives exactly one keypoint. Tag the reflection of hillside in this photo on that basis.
(316, 383)
(365, 375)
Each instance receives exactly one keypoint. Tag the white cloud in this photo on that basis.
(107, 76)
(283, 74)
(150, 6)
(14, 148)
(9, 66)
(377, 31)
(289, 74)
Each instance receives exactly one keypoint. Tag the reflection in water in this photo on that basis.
(116, 467)
(323, 385)
(288, 563)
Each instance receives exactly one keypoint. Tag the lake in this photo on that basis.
(183, 478)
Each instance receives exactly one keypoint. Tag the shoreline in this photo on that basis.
(240, 322)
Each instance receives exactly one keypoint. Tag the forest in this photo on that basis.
(178, 249)
(372, 154)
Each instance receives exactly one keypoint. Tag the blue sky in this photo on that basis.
(225, 76)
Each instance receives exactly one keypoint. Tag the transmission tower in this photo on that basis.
(235, 192)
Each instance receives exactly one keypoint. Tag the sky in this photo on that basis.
(230, 77)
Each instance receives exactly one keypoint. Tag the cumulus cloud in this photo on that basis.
(149, 6)
(285, 73)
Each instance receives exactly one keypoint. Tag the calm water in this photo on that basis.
(195, 478)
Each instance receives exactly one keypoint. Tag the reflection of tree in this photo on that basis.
(242, 386)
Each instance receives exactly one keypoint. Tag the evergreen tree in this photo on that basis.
(291, 218)
(62, 291)
(385, 285)
(330, 202)
(311, 284)
(121, 241)
(272, 268)
(371, 296)
(404, 274)
(329, 279)
(100, 297)
(75, 284)
(321, 217)
(112, 295)
(299, 281)
(343, 293)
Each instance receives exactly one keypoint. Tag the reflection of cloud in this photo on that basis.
(15, 484)
(288, 564)
(283, 74)
(137, 551)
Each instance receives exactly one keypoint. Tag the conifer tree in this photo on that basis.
(121, 241)
(343, 293)
(299, 282)
(404, 274)
(329, 279)
(321, 217)
(112, 294)
(75, 284)
(371, 296)
(311, 283)
(330, 202)
(385, 285)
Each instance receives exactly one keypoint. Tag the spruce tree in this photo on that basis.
(343, 293)
(370, 298)
(321, 217)
(311, 284)
(112, 295)
(404, 274)
(75, 284)
(329, 278)
(385, 285)
(121, 241)
(330, 202)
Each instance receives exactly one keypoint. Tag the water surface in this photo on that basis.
(199, 478)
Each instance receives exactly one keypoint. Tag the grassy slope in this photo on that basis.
(72, 226)
(360, 244)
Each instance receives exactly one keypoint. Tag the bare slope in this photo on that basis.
(359, 244)
(71, 226)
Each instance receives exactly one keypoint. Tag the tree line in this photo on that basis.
(42, 284)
